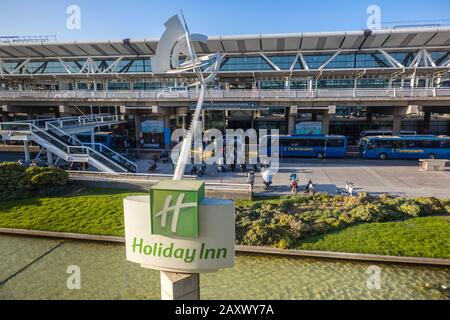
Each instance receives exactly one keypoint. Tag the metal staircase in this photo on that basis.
(57, 136)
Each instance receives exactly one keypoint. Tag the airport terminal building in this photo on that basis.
(336, 83)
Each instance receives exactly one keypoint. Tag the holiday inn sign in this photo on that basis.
(179, 230)
(175, 206)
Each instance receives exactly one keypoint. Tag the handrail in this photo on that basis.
(73, 138)
(32, 126)
(112, 151)
(222, 94)
(45, 120)
(140, 176)
(127, 174)
(68, 148)
(84, 120)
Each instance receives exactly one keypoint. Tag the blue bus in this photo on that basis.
(406, 147)
(104, 138)
(312, 146)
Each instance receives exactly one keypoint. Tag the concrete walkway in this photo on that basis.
(396, 177)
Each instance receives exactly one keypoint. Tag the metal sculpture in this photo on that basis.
(177, 43)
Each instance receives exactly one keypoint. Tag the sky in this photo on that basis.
(139, 19)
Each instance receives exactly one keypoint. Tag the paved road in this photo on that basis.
(396, 177)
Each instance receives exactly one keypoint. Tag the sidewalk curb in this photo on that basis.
(248, 249)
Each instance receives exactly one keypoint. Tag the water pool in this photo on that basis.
(105, 274)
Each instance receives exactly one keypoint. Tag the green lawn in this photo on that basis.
(418, 237)
(100, 212)
(88, 211)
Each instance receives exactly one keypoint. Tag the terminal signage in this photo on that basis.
(152, 126)
(222, 106)
(308, 128)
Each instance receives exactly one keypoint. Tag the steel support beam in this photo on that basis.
(391, 59)
(329, 60)
(273, 65)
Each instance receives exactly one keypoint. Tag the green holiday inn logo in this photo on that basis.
(175, 208)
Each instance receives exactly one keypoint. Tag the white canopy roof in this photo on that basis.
(364, 39)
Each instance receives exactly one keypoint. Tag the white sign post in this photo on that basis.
(180, 258)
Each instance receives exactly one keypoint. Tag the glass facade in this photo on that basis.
(75, 66)
(230, 64)
(272, 84)
(316, 61)
(439, 57)
(283, 62)
(405, 58)
(252, 63)
(335, 83)
(298, 84)
(246, 63)
(215, 119)
(375, 82)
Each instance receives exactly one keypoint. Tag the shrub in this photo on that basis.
(42, 178)
(17, 181)
(430, 206)
(283, 223)
(410, 208)
(13, 178)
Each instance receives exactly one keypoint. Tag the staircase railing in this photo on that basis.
(71, 138)
(95, 146)
(29, 128)
(82, 146)
(121, 159)
(86, 120)
(78, 150)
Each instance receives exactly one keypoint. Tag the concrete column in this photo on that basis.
(49, 158)
(292, 119)
(137, 124)
(287, 84)
(93, 136)
(66, 111)
(426, 122)
(291, 124)
(177, 286)
(369, 118)
(326, 123)
(310, 85)
(397, 124)
(26, 149)
(57, 113)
